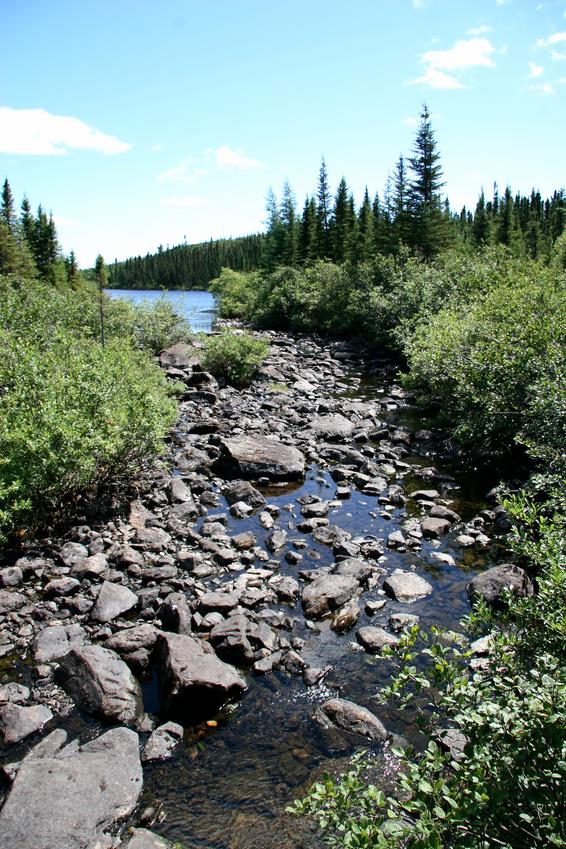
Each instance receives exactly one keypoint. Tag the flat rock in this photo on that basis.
(193, 682)
(348, 716)
(433, 527)
(18, 722)
(374, 639)
(260, 456)
(327, 593)
(218, 601)
(112, 601)
(406, 586)
(100, 683)
(129, 640)
(71, 798)
(491, 584)
(333, 426)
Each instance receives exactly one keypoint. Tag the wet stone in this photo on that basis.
(406, 586)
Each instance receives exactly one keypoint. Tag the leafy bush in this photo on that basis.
(487, 364)
(74, 416)
(234, 357)
(506, 789)
(237, 292)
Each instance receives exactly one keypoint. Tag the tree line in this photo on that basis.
(29, 246)
(412, 213)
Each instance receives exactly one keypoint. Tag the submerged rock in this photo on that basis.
(348, 716)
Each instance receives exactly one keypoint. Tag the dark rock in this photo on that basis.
(10, 601)
(60, 587)
(241, 490)
(346, 618)
(491, 584)
(218, 601)
(348, 716)
(72, 553)
(193, 682)
(327, 593)
(433, 527)
(71, 798)
(175, 614)
(130, 640)
(257, 456)
(401, 621)
(439, 511)
(100, 683)
(230, 640)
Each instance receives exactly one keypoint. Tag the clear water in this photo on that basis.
(198, 307)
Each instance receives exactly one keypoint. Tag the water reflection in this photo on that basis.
(198, 307)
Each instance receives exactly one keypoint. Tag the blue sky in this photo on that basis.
(140, 123)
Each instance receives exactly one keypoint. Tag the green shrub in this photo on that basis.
(234, 357)
(236, 291)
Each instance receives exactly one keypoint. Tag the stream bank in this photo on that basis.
(286, 520)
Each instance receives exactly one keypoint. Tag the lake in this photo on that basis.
(198, 307)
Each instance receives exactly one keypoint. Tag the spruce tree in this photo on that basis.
(273, 245)
(429, 232)
(366, 230)
(400, 205)
(288, 217)
(323, 209)
(308, 233)
(339, 224)
(7, 207)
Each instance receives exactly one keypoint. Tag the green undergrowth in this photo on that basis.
(76, 416)
(234, 357)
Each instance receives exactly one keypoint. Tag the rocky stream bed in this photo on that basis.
(191, 664)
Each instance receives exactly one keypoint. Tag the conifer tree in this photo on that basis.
(429, 232)
(288, 217)
(400, 204)
(308, 233)
(273, 246)
(323, 209)
(366, 232)
(339, 224)
(7, 207)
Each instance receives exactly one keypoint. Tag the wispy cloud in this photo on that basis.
(184, 201)
(547, 87)
(555, 43)
(185, 173)
(37, 132)
(419, 4)
(226, 157)
(501, 2)
(410, 121)
(481, 30)
(535, 71)
(473, 52)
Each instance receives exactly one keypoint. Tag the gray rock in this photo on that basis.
(400, 621)
(180, 356)
(332, 427)
(433, 528)
(346, 618)
(327, 593)
(230, 640)
(11, 576)
(60, 587)
(439, 511)
(72, 553)
(141, 838)
(276, 539)
(406, 586)
(361, 570)
(260, 456)
(113, 600)
(73, 798)
(100, 683)
(218, 602)
(17, 722)
(10, 601)
(240, 490)
(56, 641)
(193, 682)
(491, 584)
(13, 693)
(374, 639)
(130, 640)
(348, 716)
(160, 745)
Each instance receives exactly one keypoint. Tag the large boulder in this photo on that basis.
(332, 427)
(18, 722)
(71, 797)
(193, 682)
(348, 716)
(406, 586)
(327, 593)
(100, 683)
(260, 456)
(491, 584)
(179, 356)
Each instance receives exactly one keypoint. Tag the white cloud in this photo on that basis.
(535, 71)
(183, 173)
(186, 200)
(550, 43)
(226, 157)
(409, 122)
(473, 52)
(419, 4)
(39, 133)
(481, 30)
(548, 87)
(501, 2)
